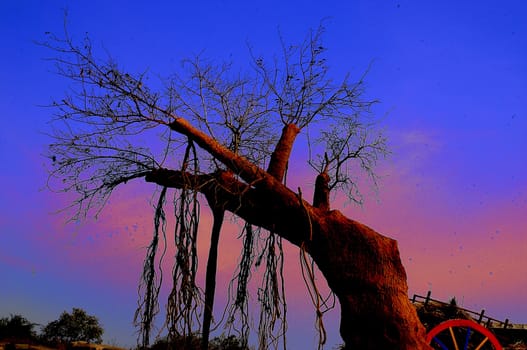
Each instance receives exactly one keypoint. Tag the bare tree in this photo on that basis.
(213, 133)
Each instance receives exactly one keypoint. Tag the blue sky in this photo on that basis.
(452, 81)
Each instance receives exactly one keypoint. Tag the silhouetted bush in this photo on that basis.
(16, 327)
(193, 343)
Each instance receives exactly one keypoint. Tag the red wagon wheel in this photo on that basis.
(462, 335)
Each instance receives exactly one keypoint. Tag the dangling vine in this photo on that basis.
(272, 301)
(151, 279)
(239, 310)
(185, 297)
(308, 274)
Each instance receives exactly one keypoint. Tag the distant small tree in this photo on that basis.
(73, 327)
(16, 326)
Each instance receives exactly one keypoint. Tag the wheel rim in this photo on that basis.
(462, 335)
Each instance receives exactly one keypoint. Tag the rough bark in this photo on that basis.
(364, 270)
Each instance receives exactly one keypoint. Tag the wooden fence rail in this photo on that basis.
(480, 317)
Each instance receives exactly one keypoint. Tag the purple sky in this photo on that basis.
(452, 81)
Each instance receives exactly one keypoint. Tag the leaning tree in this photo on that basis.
(216, 135)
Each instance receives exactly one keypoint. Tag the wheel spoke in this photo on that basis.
(453, 337)
(482, 343)
(440, 343)
(474, 334)
(469, 330)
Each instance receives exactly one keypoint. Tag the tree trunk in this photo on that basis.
(364, 270)
(210, 279)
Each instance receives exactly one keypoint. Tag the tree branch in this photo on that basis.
(239, 165)
(321, 194)
(280, 157)
(271, 210)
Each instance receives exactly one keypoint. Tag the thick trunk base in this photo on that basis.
(364, 270)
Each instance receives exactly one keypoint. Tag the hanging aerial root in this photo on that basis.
(283, 299)
(238, 313)
(273, 305)
(151, 279)
(185, 298)
(308, 274)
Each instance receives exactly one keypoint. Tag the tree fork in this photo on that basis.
(239, 165)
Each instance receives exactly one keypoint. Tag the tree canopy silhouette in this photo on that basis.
(215, 134)
(74, 326)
